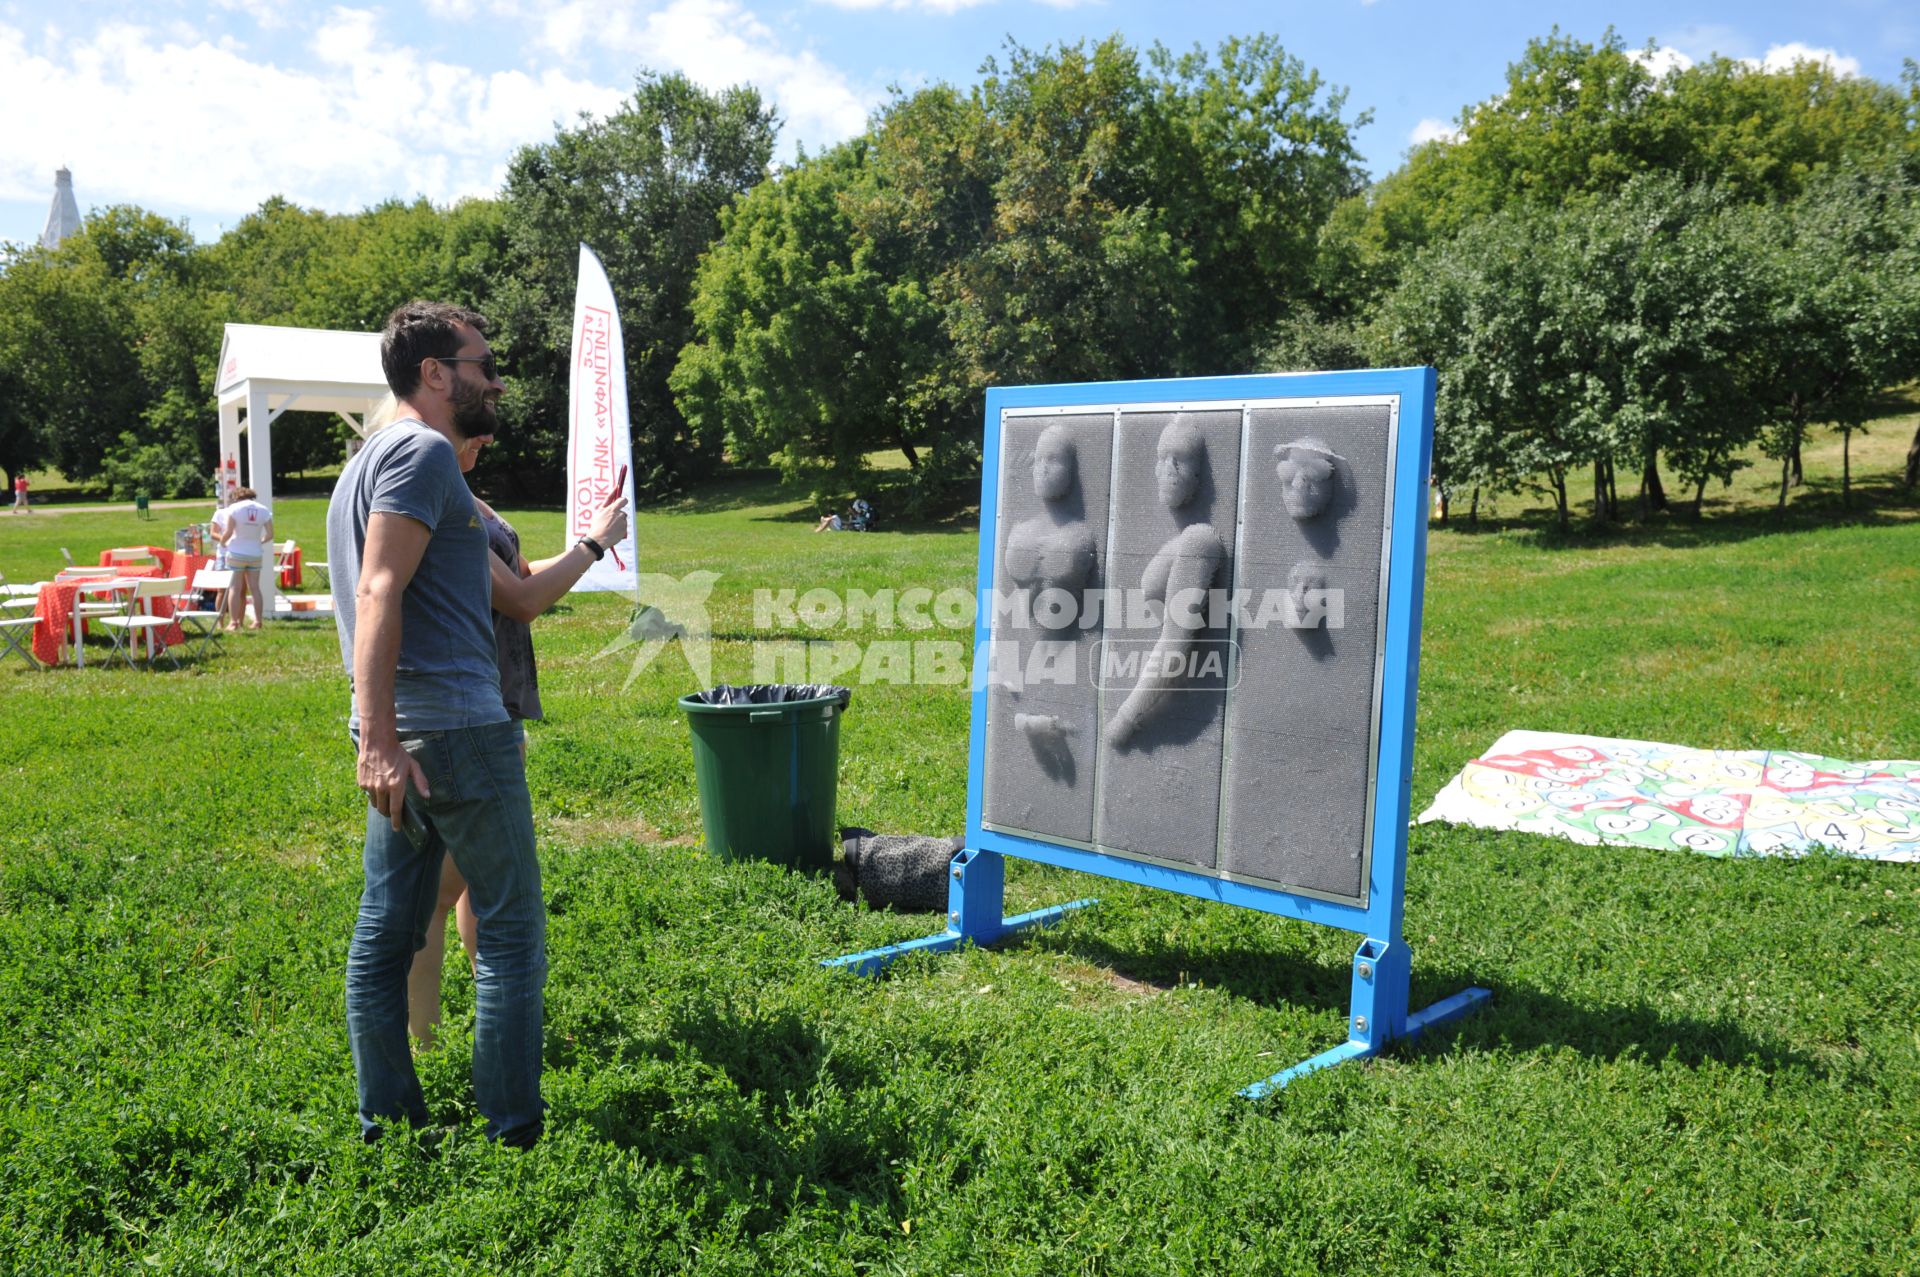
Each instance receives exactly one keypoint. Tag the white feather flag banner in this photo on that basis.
(599, 438)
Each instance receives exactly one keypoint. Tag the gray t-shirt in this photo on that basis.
(448, 676)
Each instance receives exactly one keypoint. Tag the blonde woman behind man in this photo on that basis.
(521, 592)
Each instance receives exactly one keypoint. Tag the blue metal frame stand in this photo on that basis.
(1382, 978)
(976, 903)
(1381, 965)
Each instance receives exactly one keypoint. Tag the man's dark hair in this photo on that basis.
(421, 330)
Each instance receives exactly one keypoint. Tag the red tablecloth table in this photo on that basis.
(159, 555)
(290, 574)
(54, 611)
(181, 563)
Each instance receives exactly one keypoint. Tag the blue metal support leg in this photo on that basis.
(976, 899)
(1382, 979)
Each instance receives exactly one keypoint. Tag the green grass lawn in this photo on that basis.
(1689, 1064)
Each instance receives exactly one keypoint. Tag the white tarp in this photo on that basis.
(599, 442)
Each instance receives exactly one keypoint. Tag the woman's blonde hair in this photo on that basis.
(383, 414)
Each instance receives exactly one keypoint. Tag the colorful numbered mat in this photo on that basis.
(1720, 802)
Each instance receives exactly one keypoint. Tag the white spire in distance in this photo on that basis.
(63, 219)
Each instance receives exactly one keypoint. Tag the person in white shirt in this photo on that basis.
(248, 540)
(217, 529)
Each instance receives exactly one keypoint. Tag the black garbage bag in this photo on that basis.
(772, 694)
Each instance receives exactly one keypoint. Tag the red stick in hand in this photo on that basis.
(619, 490)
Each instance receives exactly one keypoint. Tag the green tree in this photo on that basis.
(1477, 307)
(397, 251)
(1842, 308)
(644, 188)
(1577, 118)
(1770, 135)
(1146, 220)
(302, 268)
(1080, 214)
(1655, 292)
(21, 448)
(265, 263)
(806, 352)
(70, 332)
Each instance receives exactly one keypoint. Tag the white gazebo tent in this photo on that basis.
(266, 370)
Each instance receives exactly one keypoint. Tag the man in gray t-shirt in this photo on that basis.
(439, 760)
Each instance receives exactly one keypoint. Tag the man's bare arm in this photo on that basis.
(395, 544)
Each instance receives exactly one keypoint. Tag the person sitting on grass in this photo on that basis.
(859, 519)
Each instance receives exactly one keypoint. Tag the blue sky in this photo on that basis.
(202, 110)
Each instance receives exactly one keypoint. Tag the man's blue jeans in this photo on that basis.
(478, 811)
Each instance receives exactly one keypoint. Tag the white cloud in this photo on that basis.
(1660, 60)
(715, 43)
(267, 13)
(565, 28)
(1703, 40)
(955, 6)
(1782, 57)
(1432, 130)
(168, 123)
(719, 43)
(346, 113)
(938, 6)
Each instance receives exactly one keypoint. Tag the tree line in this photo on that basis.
(1616, 272)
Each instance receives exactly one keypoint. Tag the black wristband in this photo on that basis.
(594, 548)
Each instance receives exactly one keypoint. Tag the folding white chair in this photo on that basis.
(18, 598)
(131, 556)
(89, 574)
(202, 625)
(282, 560)
(138, 618)
(96, 599)
(16, 636)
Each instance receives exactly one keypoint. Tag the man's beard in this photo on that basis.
(473, 416)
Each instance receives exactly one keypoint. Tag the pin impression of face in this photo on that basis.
(1303, 582)
(1053, 465)
(1181, 454)
(1307, 471)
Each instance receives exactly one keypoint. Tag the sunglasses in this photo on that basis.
(489, 367)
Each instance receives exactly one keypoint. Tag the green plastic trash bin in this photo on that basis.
(766, 759)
